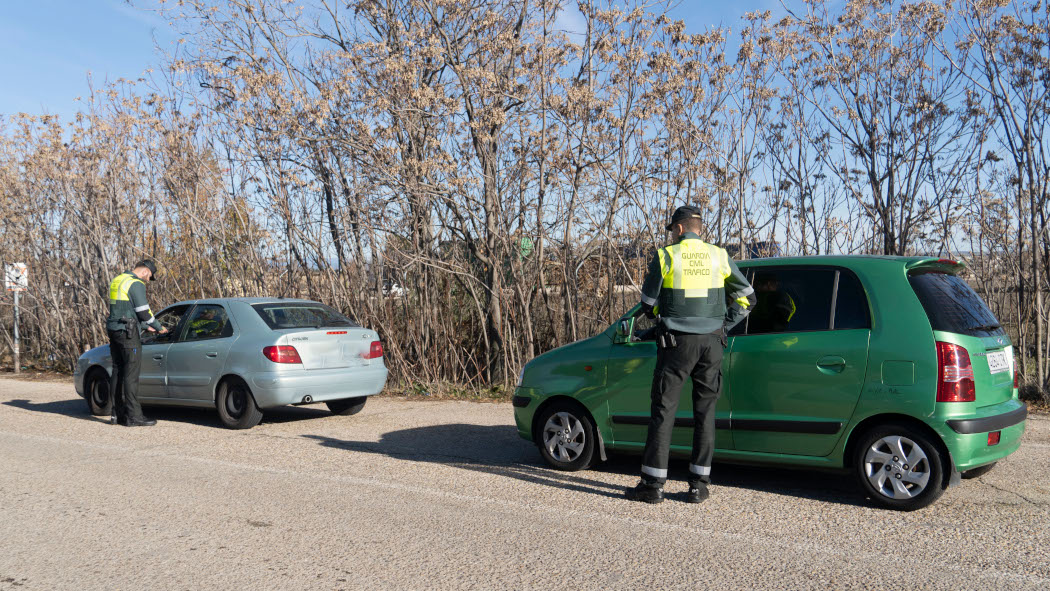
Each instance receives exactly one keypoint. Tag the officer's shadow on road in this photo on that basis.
(498, 450)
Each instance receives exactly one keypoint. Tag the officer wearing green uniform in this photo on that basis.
(698, 293)
(127, 308)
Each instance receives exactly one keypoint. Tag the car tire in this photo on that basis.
(978, 471)
(96, 393)
(347, 406)
(236, 405)
(899, 467)
(566, 436)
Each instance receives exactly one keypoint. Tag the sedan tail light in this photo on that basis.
(282, 354)
(1017, 379)
(955, 379)
(375, 351)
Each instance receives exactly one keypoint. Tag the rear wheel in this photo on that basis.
(347, 406)
(236, 405)
(978, 471)
(899, 467)
(97, 393)
(566, 436)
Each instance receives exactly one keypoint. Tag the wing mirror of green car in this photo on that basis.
(623, 331)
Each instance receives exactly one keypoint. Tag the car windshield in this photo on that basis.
(953, 306)
(301, 315)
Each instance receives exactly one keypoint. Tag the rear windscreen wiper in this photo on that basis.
(986, 327)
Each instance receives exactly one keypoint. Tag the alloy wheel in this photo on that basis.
(564, 437)
(897, 467)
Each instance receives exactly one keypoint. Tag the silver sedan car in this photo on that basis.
(242, 356)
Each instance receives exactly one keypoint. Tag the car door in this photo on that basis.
(196, 359)
(796, 373)
(629, 383)
(155, 350)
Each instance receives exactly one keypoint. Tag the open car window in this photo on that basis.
(169, 319)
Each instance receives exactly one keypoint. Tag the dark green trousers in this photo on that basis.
(126, 352)
(697, 357)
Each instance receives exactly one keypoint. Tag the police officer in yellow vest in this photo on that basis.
(127, 308)
(698, 293)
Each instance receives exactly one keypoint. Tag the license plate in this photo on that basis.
(998, 361)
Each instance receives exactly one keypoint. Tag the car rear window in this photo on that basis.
(953, 306)
(301, 315)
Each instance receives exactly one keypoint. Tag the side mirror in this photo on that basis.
(624, 329)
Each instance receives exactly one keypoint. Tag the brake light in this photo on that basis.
(375, 351)
(993, 437)
(1017, 379)
(955, 380)
(282, 354)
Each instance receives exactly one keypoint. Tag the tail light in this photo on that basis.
(282, 354)
(1017, 379)
(993, 437)
(375, 351)
(955, 380)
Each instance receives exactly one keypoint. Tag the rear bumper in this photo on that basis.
(280, 388)
(967, 438)
(986, 424)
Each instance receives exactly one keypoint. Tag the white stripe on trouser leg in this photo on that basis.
(648, 300)
(142, 308)
(699, 470)
(654, 472)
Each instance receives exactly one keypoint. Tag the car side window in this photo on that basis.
(791, 300)
(208, 321)
(851, 304)
(169, 319)
(741, 327)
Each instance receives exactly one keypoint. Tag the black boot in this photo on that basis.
(646, 493)
(141, 422)
(698, 493)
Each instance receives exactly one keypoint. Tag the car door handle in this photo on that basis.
(158, 357)
(212, 353)
(831, 364)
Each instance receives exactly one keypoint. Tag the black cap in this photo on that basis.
(683, 213)
(149, 265)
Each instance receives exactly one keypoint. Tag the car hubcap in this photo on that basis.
(897, 467)
(564, 437)
(100, 393)
(235, 402)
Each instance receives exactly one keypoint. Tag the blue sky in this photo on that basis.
(50, 47)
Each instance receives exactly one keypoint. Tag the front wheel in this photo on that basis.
(566, 436)
(236, 405)
(899, 467)
(347, 406)
(97, 395)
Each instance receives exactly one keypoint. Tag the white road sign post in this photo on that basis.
(16, 279)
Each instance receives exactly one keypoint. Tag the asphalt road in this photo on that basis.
(444, 495)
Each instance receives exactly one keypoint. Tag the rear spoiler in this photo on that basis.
(932, 265)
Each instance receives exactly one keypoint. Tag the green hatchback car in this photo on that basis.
(890, 367)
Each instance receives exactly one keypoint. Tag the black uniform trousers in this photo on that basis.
(695, 356)
(126, 352)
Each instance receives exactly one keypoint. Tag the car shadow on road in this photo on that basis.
(492, 449)
(204, 417)
(498, 450)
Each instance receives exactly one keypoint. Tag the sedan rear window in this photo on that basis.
(953, 306)
(301, 315)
